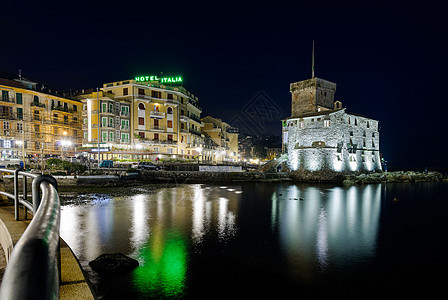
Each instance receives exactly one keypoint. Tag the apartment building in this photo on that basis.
(222, 141)
(37, 121)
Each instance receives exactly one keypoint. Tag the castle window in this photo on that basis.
(318, 144)
(356, 122)
(368, 124)
(301, 124)
(327, 123)
(349, 120)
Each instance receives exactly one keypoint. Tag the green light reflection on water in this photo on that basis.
(164, 266)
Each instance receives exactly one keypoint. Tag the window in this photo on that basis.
(156, 136)
(111, 122)
(124, 124)
(356, 122)
(19, 98)
(103, 122)
(125, 91)
(170, 137)
(111, 136)
(125, 110)
(5, 125)
(170, 124)
(141, 106)
(19, 127)
(85, 121)
(156, 123)
(141, 91)
(104, 136)
(141, 121)
(169, 111)
(326, 123)
(75, 133)
(55, 130)
(7, 143)
(169, 96)
(182, 126)
(5, 96)
(36, 99)
(75, 107)
(301, 124)
(19, 113)
(66, 120)
(125, 137)
(156, 149)
(155, 94)
(141, 134)
(182, 100)
(169, 150)
(103, 107)
(36, 115)
(65, 106)
(111, 108)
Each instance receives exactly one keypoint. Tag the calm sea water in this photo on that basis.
(270, 240)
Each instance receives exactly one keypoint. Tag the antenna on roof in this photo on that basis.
(312, 66)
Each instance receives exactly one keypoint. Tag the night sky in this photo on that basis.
(389, 60)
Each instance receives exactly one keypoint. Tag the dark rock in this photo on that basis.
(113, 263)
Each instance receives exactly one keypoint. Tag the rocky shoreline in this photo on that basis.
(398, 176)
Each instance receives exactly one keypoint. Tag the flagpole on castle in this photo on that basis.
(312, 67)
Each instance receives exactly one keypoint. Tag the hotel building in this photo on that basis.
(222, 145)
(142, 118)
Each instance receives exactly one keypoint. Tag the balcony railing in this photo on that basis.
(38, 104)
(7, 99)
(156, 114)
(63, 109)
(124, 113)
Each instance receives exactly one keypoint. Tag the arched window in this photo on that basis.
(141, 106)
(169, 110)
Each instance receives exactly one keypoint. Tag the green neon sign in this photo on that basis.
(161, 80)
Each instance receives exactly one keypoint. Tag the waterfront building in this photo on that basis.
(37, 121)
(321, 134)
(151, 118)
(223, 141)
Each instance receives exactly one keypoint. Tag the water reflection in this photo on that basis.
(171, 231)
(332, 227)
(156, 228)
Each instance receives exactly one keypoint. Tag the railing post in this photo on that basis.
(16, 193)
(25, 195)
(36, 188)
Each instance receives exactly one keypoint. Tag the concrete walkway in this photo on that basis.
(73, 284)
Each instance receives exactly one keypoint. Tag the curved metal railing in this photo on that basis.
(33, 270)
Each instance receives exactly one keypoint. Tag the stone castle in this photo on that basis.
(322, 135)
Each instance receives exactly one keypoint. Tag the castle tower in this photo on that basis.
(310, 95)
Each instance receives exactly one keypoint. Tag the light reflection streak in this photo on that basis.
(332, 226)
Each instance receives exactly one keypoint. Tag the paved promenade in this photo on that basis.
(73, 285)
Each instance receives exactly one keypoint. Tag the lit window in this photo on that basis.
(327, 123)
(301, 124)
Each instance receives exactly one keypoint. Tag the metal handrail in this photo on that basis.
(33, 271)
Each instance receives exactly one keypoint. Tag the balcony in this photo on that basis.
(63, 109)
(38, 104)
(195, 132)
(184, 118)
(156, 115)
(157, 128)
(126, 127)
(124, 113)
(7, 99)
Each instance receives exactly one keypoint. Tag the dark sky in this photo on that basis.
(389, 60)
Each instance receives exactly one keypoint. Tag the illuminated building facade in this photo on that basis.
(322, 135)
(144, 118)
(221, 141)
(37, 121)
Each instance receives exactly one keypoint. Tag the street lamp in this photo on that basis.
(64, 145)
